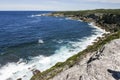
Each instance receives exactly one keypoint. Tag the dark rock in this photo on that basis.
(102, 49)
(67, 76)
(19, 79)
(97, 55)
(35, 71)
(80, 78)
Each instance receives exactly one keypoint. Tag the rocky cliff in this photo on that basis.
(103, 64)
(108, 19)
(100, 61)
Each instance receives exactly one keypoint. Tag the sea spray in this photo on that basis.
(23, 70)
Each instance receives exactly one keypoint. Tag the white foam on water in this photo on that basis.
(37, 15)
(68, 18)
(40, 41)
(80, 20)
(92, 24)
(23, 69)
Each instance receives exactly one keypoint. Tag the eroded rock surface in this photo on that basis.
(103, 64)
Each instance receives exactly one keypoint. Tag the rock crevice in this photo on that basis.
(99, 65)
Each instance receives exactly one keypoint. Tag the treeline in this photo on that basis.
(86, 12)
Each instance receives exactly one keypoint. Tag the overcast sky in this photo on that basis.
(57, 4)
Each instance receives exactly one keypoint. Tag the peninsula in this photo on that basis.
(100, 61)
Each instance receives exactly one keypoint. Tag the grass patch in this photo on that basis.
(60, 66)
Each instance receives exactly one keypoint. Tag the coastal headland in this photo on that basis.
(98, 61)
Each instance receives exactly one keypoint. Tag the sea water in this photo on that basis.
(29, 40)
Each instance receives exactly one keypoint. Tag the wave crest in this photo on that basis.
(40, 41)
(37, 15)
(23, 69)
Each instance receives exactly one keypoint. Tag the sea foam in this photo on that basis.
(23, 69)
(37, 15)
(40, 41)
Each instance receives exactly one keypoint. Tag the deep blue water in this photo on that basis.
(20, 32)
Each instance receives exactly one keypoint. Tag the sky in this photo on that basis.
(58, 5)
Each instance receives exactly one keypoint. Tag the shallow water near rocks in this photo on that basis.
(31, 41)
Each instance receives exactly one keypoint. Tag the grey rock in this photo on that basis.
(35, 71)
(103, 64)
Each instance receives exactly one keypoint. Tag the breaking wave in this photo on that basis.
(23, 69)
(40, 41)
(37, 15)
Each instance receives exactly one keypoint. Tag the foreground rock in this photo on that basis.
(35, 71)
(19, 79)
(103, 64)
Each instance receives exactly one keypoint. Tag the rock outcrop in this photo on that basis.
(103, 64)
(107, 19)
(35, 71)
(95, 62)
(19, 79)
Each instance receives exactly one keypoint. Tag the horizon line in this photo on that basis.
(59, 10)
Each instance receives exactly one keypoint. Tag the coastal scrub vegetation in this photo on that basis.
(86, 12)
(60, 66)
(108, 19)
(102, 18)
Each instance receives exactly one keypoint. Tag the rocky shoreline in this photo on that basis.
(73, 68)
(99, 65)
(105, 19)
(91, 54)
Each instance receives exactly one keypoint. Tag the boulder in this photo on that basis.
(35, 71)
(19, 79)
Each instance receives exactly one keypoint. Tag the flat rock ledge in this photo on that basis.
(103, 64)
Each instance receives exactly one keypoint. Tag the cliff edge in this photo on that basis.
(103, 64)
(100, 61)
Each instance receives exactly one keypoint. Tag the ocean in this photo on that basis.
(29, 41)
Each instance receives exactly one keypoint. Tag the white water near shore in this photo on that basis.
(22, 69)
(38, 15)
(93, 25)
